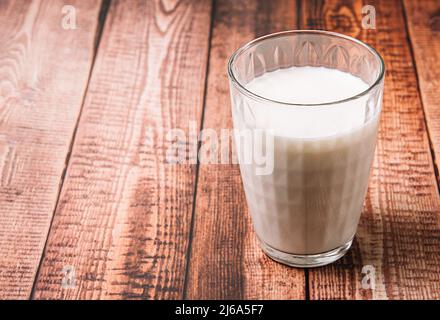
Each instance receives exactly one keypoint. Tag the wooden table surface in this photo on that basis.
(89, 207)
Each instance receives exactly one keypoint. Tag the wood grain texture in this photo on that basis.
(122, 224)
(44, 71)
(399, 231)
(423, 20)
(226, 262)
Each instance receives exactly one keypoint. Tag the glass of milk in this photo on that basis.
(314, 98)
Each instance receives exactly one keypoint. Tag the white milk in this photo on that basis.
(312, 201)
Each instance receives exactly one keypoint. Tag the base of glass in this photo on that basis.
(306, 260)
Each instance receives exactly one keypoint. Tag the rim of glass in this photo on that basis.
(250, 44)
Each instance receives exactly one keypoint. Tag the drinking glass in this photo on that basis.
(305, 209)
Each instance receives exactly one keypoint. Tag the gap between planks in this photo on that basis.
(422, 101)
(202, 119)
(105, 5)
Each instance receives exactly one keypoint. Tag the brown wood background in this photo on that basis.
(84, 183)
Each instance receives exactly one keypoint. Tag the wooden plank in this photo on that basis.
(44, 72)
(399, 232)
(122, 224)
(423, 20)
(226, 262)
